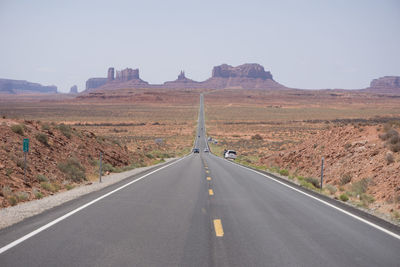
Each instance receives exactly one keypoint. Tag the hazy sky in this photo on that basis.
(305, 44)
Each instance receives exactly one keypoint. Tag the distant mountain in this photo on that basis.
(8, 86)
(386, 85)
(246, 76)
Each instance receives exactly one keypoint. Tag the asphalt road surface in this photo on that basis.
(198, 211)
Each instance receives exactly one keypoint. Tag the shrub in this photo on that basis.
(107, 167)
(69, 186)
(366, 199)
(48, 186)
(73, 169)
(42, 138)
(45, 126)
(65, 130)
(395, 147)
(18, 129)
(345, 179)
(313, 181)
(332, 190)
(39, 195)
(257, 137)
(389, 158)
(13, 200)
(41, 178)
(361, 186)
(284, 172)
(308, 185)
(22, 196)
(344, 197)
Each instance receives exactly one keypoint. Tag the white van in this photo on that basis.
(230, 154)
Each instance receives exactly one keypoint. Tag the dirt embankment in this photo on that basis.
(59, 158)
(361, 161)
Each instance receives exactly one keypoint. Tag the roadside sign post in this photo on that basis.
(322, 171)
(101, 156)
(25, 148)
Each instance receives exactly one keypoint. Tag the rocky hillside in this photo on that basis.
(361, 162)
(8, 86)
(59, 158)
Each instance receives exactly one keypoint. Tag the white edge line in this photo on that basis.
(48, 225)
(322, 201)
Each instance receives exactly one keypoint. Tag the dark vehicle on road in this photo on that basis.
(196, 150)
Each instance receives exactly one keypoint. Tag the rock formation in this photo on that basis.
(246, 76)
(9, 86)
(93, 83)
(110, 75)
(182, 82)
(255, 71)
(73, 90)
(127, 74)
(386, 84)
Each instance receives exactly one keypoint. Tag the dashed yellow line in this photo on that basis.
(219, 231)
(208, 178)
(210, 192)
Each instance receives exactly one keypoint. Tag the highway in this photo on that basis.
(200, 210)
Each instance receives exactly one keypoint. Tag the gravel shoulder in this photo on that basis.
(12, 215)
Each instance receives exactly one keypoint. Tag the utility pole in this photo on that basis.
(322, 172)
(100, 167)
(25, 148)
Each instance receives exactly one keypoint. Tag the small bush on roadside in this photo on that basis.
(18, 129)
(73, 169)
(344, 197)
(13, 200)
(48, 186)
(65, 130)
(107, 167)
(22, 196)
(69, 186)
(313, 181)
(42, 138)
(366, 199)
(331, 189)
(41, 178)
(307, 185)
(345, 179)
(284, 172)
(39, 195)
(360, 187)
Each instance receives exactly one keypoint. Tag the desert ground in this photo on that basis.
(356, 133)
(285, 132)
(66, 133)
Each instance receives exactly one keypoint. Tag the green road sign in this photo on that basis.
(26, 145)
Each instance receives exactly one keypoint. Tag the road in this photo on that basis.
(198, 211)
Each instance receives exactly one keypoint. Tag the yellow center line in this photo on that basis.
(219, 231)
(208, 178)
(210, 192)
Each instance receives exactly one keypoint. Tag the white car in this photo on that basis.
(230, 154)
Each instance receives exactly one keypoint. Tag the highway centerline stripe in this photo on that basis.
(322, 201)
(48, 225)
(210, 192)
(219, 231)
(208, 178)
